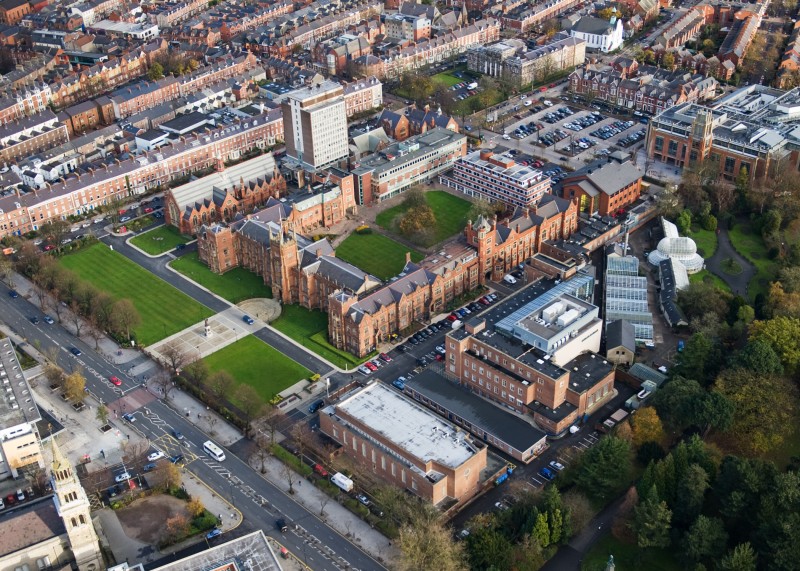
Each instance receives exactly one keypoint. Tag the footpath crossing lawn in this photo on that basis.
(159, 240)
(375, 254)
(252, 362)
(450, 212)
(749, 244)
(310, 329)
(234, 285)
(163, 309)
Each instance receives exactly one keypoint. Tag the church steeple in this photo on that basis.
(73, 507)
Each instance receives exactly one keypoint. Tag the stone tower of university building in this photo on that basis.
(73, 507)
(284, 256)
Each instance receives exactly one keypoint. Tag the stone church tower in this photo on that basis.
(284, 260)
(73, 507)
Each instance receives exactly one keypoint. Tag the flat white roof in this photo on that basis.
(420, 432)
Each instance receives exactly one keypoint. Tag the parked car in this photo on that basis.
(385, 357)
(122, 477)
(13, 293)
(400, 383)
(49, 320)
(547, 473)
(364, 500)
(364, 370)
(320, 469)
(148, 467)
(556, 465)
(153, 456)
(124, 218)
(216, 532)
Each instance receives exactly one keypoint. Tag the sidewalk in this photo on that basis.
(331, 512)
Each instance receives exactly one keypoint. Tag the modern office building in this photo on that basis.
(392, 170)
(405, 444)
(315, 125)
(497, 177)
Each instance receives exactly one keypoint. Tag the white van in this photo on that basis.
(509, 279)
(214, 451)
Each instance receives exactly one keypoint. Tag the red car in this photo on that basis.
(385, 358)
(439, 357)
(115, 381)
(370, 366)
(452, 317)
(148, 209)
(319, 469)
(49, 247)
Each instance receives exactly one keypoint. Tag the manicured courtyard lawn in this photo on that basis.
(234, 285)
(750, 245)
(706, 241)
(159, 240)
(706, 276)
(310, 329)
(627, 556)
(252, 362)
(450, 212)
(163, 309)
(375, 254)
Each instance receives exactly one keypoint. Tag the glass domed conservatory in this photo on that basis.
(679, 248)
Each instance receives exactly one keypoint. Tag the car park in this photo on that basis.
(153, 456)
(500, 506)
(364, 370)
(556, 465)
(371, 366)
(386, 358)
(399, 383)
(547, 473)
(440, 349)
(122, 477)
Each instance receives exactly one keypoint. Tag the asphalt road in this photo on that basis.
(260, 502)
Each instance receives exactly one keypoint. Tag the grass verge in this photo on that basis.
(234, 285)
(706, 240)
(122, 279)
(159, 240)
(707, 277)
(310, 329)
(252, 362)
(375, 254)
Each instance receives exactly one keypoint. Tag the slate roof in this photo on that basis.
(592, 25)
(30, 525)
(414, 278)
(344, 274)
(620, 333)
(605, 175)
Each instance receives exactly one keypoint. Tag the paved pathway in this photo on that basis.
(739, 282)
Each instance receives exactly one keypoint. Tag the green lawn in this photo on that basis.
(159, 240)
(450, 211)
(447, 78)
(750, 244)
(706, 276)
(234, 285)
(252, 362)
(163, 309)
(375, 254)
(628, 556)
(310, 329)
(706, 240)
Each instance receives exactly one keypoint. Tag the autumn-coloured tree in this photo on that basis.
(647, 426)
(74, 385)
(195, 507)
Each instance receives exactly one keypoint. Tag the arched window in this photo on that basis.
(82, 519)
(74, 522)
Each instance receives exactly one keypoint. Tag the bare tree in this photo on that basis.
(6, 271)
(95, 331)
(221, 383)
(54, 374)
(250, 403)
(58, 306)
(290, 476)
(103, 308)
(262, 452)
(164, 382)
(324, 499)
(75, 317)
(125, 316)
(174, 356)
(40, 291)
(274, 420)
(301, 434)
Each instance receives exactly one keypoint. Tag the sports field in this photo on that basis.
(163, 309)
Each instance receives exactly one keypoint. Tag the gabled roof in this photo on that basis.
(620, 333)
